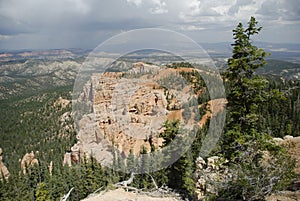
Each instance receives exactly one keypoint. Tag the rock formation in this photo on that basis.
(293, 144)
(4, 173)
(67, 159)
(129, 110)
(50, 168)
(73, 156)
(28, 161)
(60, 102)
(293, 194)
(209, 174)
(212, 172)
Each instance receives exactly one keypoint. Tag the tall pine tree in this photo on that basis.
(245, 89)
(246, 142)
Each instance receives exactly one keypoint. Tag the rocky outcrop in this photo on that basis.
(293, 144)
(28, 161)
(129, 110)
(4, 173)
(62, 103)
(293, 193)
(212, 172)
(67, 159)
(209, 174)
(73, 156)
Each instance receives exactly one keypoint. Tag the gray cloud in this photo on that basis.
(12, 27)
(85, 23)
(280, 10)
(236, 7)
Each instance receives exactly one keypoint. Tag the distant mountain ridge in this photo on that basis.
(279, 51)
(28, 75)
(26, 69)
(43, 54)
(284, 69)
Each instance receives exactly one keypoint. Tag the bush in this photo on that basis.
(259, 168)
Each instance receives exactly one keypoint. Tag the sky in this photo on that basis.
(50, 24)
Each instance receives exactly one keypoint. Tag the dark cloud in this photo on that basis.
(13, 27)
(82, 23)
(280, 10)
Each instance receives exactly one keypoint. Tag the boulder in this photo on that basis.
(278, 141)
(288, 137)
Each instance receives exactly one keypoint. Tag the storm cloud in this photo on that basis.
(86, 23)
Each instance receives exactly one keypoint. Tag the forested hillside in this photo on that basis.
(260, 108)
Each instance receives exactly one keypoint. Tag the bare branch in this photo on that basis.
(66, 196)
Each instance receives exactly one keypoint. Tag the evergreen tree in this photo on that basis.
(180, 173)
(131, 162)
(246, 91)
(245, 140)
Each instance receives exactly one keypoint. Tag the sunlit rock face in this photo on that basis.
(4, 173)
(129, 109)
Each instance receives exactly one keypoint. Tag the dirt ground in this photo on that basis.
(121, 195)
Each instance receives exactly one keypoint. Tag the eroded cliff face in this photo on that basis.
(129, 110)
